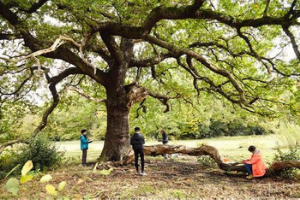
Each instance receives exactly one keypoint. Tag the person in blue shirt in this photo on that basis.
(137, 142)
(84, 145)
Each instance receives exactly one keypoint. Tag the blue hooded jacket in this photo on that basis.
(84, 142)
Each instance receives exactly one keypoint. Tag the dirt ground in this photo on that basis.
(182, 178)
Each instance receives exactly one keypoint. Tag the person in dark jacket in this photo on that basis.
(84, 145)
(137, 142)
(164, 135)
(165, 140)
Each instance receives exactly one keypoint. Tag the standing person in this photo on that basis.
(164, 135)
(84, 145)
(255, 166)
(165, 140)
(137, 142)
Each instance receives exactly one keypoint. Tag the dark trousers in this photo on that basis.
(84, 153)
(138, 152)
(248, 168)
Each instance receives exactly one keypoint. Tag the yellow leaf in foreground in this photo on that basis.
(51, 190)
(62, 185)
(27, 167)
(46, 178)
(80, 181)
(25, 178)
(106, 172)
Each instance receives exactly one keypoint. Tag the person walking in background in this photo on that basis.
(137, 142)
(84, 145)
(255, 166)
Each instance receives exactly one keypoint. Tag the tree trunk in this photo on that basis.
(116, 144)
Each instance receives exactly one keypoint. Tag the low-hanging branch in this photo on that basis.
(211, 151)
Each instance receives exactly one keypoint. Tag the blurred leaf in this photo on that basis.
(106, 172)
(62, 185)
(12, 186)
(46, 178)
(80, 181)
(25, 178)
(95, 168)
(11, 171)
(51, 190)
(27, 167)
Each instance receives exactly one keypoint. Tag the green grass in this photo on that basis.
(233, 148)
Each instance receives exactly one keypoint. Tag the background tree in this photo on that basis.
(135, 49)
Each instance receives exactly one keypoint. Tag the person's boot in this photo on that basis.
(250, 176)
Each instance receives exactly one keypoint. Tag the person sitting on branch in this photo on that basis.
(255, 166)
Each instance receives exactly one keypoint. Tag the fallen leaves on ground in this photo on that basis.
(165, 179)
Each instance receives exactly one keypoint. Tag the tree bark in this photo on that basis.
(211, 151)
(9, 143)
(116, 144)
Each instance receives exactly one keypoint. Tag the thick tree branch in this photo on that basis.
(7, 36)
(293, 41)
(206, 150)
(35, 6)
(213, 87)
(113, 48)
(52, 87)
(149, 62)
(86, 96)
(8, 14)
(203, 61)
(9, 143)
(160, 13)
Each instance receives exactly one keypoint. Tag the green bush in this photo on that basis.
(218, 128)
(292, 154)
(40, 150)
(207, 162)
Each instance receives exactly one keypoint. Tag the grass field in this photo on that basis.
(233, 148)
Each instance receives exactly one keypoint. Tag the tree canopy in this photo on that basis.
(121, 52)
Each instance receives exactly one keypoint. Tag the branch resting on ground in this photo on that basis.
(211, 151)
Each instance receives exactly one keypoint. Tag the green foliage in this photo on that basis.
(67, 121)
(289, 133)
(40, 150)
(106, 172)
(244, 56)
(13, 184)
(206, 161)
(293, 153)
(234, 128)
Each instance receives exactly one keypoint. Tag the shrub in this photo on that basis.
(218, 128)
(207, 162)
(40, 150)
(292, 154)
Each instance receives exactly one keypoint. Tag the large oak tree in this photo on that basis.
(229, 48)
